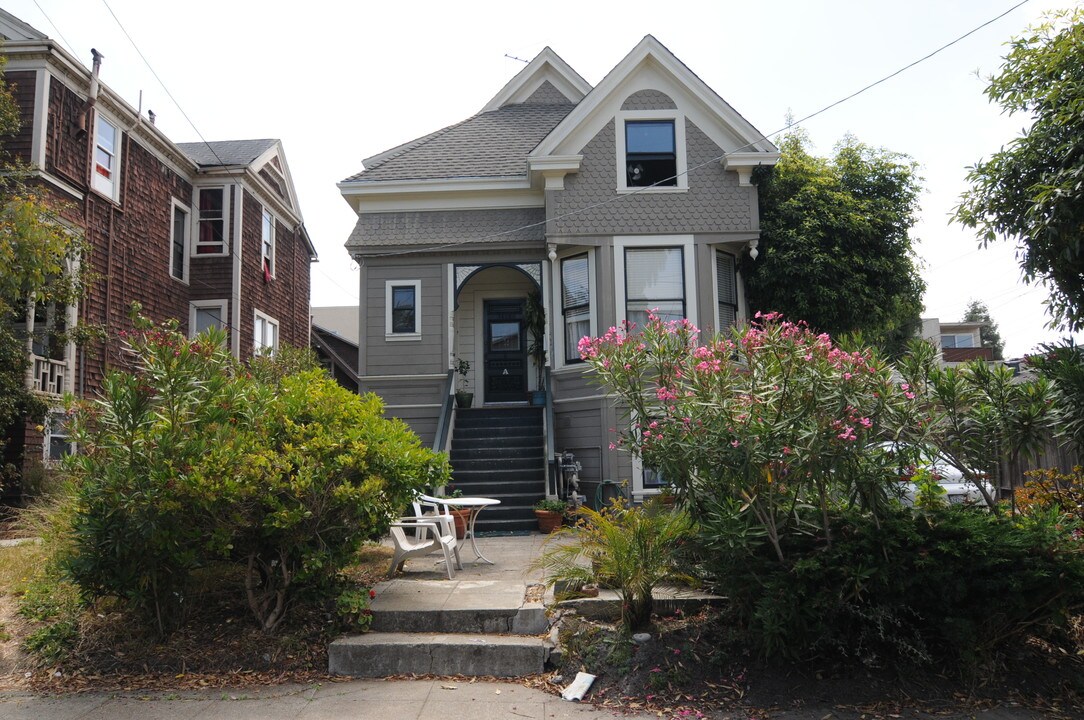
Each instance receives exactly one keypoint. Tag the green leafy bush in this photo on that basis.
(194, 459)
(950, 585)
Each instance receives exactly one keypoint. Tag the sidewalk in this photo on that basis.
(385, 699)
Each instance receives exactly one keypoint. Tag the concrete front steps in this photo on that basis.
(426, 627)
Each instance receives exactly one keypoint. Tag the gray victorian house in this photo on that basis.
(596, 203)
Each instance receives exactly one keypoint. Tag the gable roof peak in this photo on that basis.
(547, 66)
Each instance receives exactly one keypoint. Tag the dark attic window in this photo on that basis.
(650, 155)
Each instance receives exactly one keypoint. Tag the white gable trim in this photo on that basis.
(651, 66)
(547, 65)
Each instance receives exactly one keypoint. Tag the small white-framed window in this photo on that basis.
(212, 235)
(265, 335)
(57, 442)
(204, 314)
(267, 245)
(576, 291)
(402, 309)
(178, 240)
(654, 273)
(726, 291)
(105, 177)
(651, 153)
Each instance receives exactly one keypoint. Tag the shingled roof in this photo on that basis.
(226, 152)
(489, 144)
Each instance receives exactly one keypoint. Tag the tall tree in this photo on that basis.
(835, 249)
(989, 335)
(1032, 190)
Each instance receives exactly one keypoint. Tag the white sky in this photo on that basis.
(339, 81)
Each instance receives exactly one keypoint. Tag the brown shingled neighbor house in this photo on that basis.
(607, 201)
(204, 233)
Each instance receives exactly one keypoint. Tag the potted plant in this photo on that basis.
(460, 516)
(463, 397)
(550, 513)
(534, 316)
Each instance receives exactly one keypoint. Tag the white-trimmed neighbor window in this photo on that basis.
(265, 335)
(402, 309)
(267, 244)
(178, 241)
(212, 237)
(651, 151)
(965, 340)
(106, 175)
(726, 290)
(57, 443)
(204, 314)
(575, 303)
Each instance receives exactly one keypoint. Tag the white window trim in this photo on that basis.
(257, 315)
(739, 311)
(195, 305)
(398, 337)
(118, 141)
(173, 205)
(559, 327)
(47, 438)
(226, 239)
(274, 229)
(688, 246)
(678, 118)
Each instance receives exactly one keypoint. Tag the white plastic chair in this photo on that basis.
(433, 530)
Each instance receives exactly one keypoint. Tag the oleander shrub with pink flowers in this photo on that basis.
(772, 427)
(773, 438)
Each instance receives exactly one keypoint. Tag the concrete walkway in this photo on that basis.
(385, 699)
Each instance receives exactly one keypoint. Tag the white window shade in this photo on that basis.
(654, 280)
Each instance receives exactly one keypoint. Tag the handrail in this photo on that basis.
(444, 422)
(550, 429)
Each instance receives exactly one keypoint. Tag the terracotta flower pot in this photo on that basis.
(548, 520)
(460, 517)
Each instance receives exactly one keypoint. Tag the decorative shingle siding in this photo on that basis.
(648, 100)
(374, 230)
(713, 203)
(546, 94)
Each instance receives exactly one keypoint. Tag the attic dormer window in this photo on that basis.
(650, 153)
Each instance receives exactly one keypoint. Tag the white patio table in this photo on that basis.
(476, 505)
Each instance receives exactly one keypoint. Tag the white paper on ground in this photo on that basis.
(579, 687)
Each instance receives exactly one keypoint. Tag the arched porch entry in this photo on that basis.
(489, 332)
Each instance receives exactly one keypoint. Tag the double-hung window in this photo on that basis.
(178, 243)
(106, 175)
(205, 314)
(575, 303)
(650, 153)
(654, 281)
(266, 334)
(402, 302)
(211, 238)
(267, 244)
(726, 290)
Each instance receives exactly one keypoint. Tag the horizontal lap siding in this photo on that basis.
(406, 357)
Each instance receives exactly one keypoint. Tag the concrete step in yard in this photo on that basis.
(465, 627)
(383, 654)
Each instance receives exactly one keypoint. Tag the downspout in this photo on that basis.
(84, 114)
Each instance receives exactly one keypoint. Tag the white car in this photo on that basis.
(958, 489)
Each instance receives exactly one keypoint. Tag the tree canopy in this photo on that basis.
(835, 249)
(989, 335)
(1032, 190)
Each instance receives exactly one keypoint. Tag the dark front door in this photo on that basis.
(505, 351)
